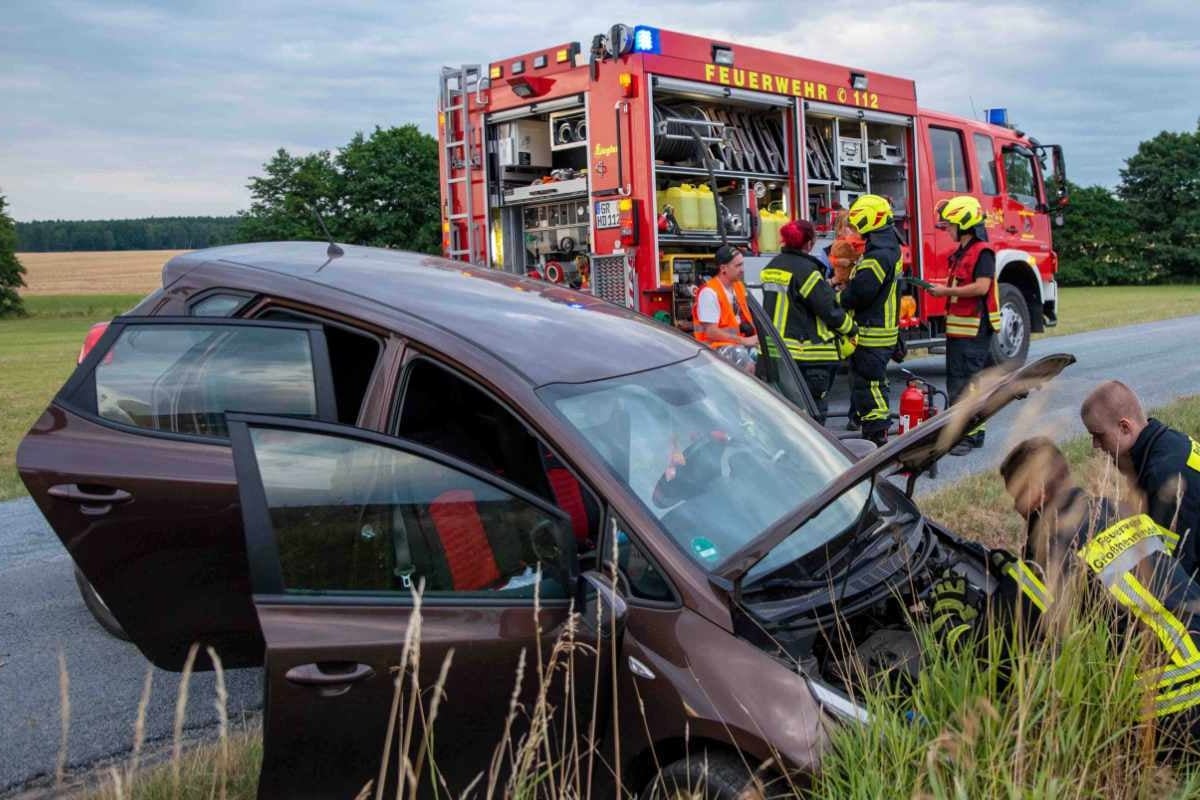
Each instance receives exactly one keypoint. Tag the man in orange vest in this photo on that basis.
(973, 314)
(720, 317)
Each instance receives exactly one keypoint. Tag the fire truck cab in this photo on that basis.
(622, 169)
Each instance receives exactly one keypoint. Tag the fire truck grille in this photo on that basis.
(608, 278)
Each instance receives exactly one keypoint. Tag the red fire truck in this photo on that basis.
(620, 170)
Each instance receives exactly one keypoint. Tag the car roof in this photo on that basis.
(546, 332)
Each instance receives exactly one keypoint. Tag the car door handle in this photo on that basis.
(329, 674)
(93, 501)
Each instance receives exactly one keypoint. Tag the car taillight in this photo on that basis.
(93, 335)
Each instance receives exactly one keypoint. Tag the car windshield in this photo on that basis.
(714, 454)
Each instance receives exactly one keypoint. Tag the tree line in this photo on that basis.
(152, 233)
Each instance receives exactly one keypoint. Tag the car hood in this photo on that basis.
(914, 452)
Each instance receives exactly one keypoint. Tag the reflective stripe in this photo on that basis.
(1170, 540)
(1194, 457)
(959, 327)
(1177, 700)
(878, 337)
(1031, 585)
(874, 266)
(956, 633)
(1148, 609)
(847, 324)
(1178, 674)
(880, 410)
(813, 279)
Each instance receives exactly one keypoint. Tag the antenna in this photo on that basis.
(974, 114)
(333, 251)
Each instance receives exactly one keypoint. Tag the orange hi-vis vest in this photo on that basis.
(728, 321)
(964, 313)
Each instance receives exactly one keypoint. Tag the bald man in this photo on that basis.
(1163, 462)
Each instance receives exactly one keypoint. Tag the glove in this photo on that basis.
(952, 615)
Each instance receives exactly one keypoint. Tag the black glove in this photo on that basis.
(953, 615)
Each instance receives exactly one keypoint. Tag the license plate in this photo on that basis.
(607, 214)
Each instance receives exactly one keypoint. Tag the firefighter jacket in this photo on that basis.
(729, 320)
(964, 314)
(873, 291)
(1168, 471)
(1132, 561)
(804, 309)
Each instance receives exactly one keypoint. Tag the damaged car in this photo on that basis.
(269, 455)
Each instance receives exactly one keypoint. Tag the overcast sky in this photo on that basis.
(116, 109)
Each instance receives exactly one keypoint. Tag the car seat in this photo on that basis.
(469, 554)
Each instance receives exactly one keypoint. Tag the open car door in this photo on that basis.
(131, 466)
(775, 366)
(343, 529)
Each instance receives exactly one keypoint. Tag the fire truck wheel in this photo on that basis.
(1010, 345)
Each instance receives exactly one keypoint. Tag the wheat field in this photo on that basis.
(99, 272)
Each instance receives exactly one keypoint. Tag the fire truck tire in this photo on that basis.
(1010, 345)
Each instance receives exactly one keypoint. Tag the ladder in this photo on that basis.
(456, 86)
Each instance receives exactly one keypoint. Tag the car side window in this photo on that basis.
(1019, 178)
(447, 413)
(639, 577)
(985, 154)
(353, 356)
(352, 516)
(218, 305)
(949, 161)
(183, 378)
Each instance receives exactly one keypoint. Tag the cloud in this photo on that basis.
(125, 108)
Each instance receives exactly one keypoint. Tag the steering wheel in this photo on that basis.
(705, 461)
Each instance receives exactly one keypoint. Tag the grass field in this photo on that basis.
(1089, 308)
(94, 272)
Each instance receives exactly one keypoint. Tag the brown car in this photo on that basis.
(269, 452)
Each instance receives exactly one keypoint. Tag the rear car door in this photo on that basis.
(131, 466)
(344, 528)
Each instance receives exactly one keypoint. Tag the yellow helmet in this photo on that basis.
(870, 213)
(963, 211)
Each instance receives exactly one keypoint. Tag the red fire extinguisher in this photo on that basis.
(917, 402)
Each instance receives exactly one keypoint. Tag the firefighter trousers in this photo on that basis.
(819, 376)
(965, 359)
(869, 394)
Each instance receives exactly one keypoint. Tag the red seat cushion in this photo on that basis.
(468, 552)
(569, 498)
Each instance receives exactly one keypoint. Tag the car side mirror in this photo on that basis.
(859, 447)
(601, 606)
(554, 545)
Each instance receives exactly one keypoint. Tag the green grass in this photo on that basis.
(1089, 308)
(37, 353)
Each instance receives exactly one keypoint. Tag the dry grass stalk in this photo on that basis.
(221, 704)
(139, 725)
(118, 784)
(64, 699)
(180, 715)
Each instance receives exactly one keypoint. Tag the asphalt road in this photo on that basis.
(41, 612)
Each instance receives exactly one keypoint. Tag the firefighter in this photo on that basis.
(872, 293)
(973, 314)
(720, 316)
(1163, 462)
(1126, 558)
(804, 309)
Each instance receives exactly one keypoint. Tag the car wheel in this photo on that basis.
(705, 776)
(96, 605)
(1010, 345)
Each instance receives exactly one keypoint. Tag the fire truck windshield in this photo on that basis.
(714, 454)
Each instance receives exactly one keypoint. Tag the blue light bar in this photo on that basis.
(997, 116)
(645, 40)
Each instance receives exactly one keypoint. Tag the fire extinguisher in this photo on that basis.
(918, 402)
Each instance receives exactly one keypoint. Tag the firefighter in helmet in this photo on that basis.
(804, 309)
(872, 294)
(973, 313)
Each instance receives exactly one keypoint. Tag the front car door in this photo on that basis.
(132, 468)
(342, 528)
(949, 169)
(1027, 227)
